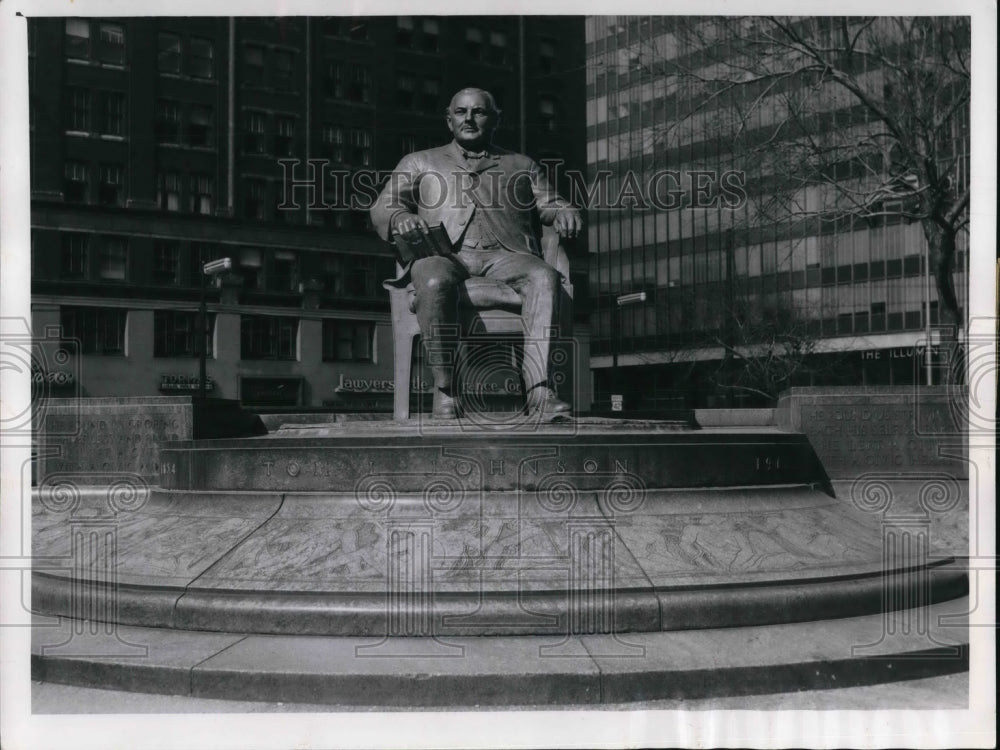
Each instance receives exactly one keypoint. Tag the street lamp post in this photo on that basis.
(634, 298)
(212, 268)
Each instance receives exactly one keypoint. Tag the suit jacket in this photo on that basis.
(436, 185)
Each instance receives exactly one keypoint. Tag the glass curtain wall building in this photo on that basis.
(855, 289)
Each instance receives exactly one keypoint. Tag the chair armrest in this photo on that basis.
(553, 251)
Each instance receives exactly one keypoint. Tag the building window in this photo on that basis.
(474, 43)
(355, 28)
(111, 48)
(113, 258)
(547, 114)
(74, 255)
(431, 99)
(268, 337)
(77, 40)
(361, 148)
(348, 340)
(253, 203)
(284, 275)
(333, 142)
(281, 66)
(498, 48)
(177, 333)
(252, 267)
(200, 126)
(404, 31)
(169, 56)
(202, 253)
(75, 184)
(253, 65)
(168, 122)
(110, 190)
(114, 113)
(333, 276)
(360, 89)
(333, 80)
(431, 34)
(201, 58)
(99, 330)
(78, 113)
(406, 88)
(361, 277)
(254, 140)
(284, 136)
(168, 191)
(166, 261)
(546, 56)
(201, 194)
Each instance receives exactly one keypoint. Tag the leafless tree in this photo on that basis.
(835, 119)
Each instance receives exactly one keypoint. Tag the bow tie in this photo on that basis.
(470, 155)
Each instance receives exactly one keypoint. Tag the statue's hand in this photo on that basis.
(410, 227)
(568, 223)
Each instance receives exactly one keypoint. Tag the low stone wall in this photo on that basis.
(708, 418)
(886, 429)
(93, 438)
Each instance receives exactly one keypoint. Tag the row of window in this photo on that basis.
(80, 187)
(177, 333)
(106, 257)
(104, 42)
(424, 34)
(104, 185)
(94, 112)
(94, 41)
(184, 124)
(193, 56)
(268, 133)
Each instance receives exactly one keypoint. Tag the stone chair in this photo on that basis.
(485, 307)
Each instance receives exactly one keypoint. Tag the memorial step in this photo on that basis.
(497, 563)
(496, 671)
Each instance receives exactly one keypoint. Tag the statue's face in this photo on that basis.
(471, 120)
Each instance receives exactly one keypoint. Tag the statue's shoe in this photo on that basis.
(544, 403)
(445, 406)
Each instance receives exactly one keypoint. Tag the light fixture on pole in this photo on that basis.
(633, 298)
(212, 268)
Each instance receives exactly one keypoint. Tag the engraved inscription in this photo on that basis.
(863, 436)
(768, 463)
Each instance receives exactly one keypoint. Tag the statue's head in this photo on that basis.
(472, 116)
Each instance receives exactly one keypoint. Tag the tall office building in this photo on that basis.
(160, 144)
(859, 288)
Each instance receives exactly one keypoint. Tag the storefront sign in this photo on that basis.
(174, 382)
(900, 352)
(58, 378)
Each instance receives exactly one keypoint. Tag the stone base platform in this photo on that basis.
(699, 562)
(511, 563)
(502, 671)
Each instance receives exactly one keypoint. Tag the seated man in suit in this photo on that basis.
(487, 199)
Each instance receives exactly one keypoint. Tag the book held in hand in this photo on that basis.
(435, 242)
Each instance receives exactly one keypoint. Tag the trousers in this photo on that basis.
(436, 280)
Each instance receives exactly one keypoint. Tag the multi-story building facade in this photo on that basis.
(160, 144)
(860, 286)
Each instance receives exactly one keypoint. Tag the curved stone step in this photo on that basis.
(496, 671)
(499, 563)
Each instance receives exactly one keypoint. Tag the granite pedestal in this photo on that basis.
(413, 538)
